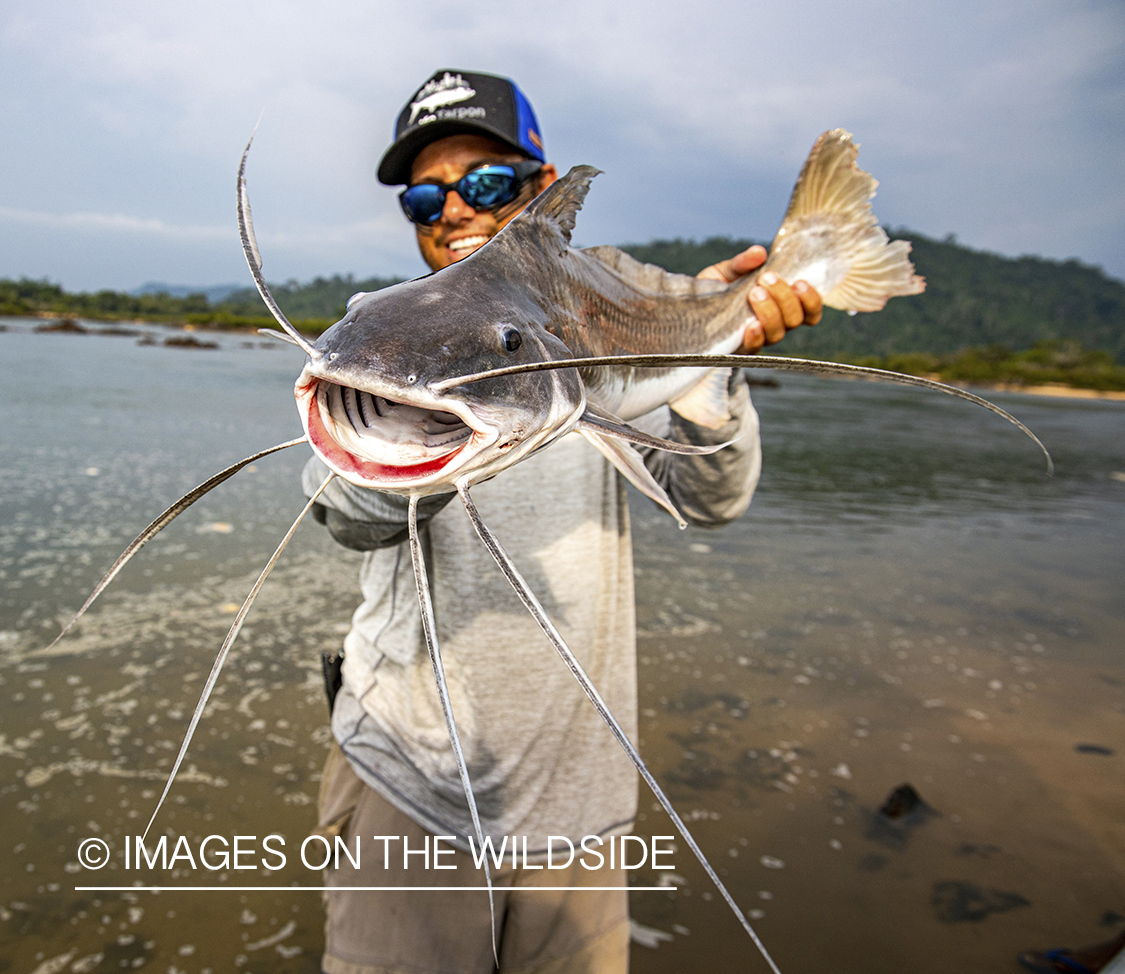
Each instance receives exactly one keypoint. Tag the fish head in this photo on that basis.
(367, 397)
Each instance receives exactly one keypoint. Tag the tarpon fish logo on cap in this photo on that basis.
(449, 90)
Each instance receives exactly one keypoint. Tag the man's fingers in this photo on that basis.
(769, 314)
(789, 305)
(721, 271)
(734, 268)
(811, 301)
(750, 259)
(777, 305)
(753, 338)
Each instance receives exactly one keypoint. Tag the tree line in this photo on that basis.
(981, 313)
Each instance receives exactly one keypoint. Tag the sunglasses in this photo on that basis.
(485, 188)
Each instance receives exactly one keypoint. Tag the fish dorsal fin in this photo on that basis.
(830, 214)
(650, 277)
(560, 202)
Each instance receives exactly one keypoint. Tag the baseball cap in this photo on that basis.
(454, 102)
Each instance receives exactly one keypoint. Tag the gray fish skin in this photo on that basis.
(367, 395)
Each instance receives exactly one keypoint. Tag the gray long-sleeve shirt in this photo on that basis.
(540, 759)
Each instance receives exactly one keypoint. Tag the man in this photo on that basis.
(541, 762)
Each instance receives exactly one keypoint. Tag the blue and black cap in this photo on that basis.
(455, 102)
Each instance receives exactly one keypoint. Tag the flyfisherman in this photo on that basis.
(469, 151)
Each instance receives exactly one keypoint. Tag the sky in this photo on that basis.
(123, 122)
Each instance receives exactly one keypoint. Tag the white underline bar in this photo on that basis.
(353, 889)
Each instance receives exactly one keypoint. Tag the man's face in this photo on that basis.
(460, 229)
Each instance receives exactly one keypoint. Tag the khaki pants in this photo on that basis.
(566, 930)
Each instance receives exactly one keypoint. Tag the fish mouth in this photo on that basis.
(377, 441)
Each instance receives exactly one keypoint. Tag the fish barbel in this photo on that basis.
(437, 384)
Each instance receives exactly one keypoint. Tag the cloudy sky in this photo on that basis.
(1001, 121)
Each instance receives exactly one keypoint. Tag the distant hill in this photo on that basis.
(972, 298)
(323, 297)
(214, 293)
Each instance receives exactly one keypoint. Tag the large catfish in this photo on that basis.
(436, 384)
(372, 396)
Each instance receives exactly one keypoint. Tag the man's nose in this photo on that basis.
(456, 210)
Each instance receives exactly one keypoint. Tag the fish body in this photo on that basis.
(369, 396)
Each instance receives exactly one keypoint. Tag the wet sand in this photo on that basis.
(777, 714)
(1058, 390)
(846, 680)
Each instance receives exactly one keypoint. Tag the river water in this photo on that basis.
(910, 600)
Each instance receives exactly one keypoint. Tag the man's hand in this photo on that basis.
(777, 305)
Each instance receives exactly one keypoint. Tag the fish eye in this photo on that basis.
(512, 339)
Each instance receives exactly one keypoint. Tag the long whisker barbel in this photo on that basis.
(224, 650)
(778, 362)
(426, 605)
(533, 605)
(254, 261)
(163, 520)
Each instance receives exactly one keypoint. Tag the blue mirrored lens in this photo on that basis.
(423, 203)
(482, 189)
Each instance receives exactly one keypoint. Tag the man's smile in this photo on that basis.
(464, 245)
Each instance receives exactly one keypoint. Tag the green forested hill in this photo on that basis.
(972, 298)
(323, 297)
(312, 307)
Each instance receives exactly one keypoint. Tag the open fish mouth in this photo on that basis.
(378, 441)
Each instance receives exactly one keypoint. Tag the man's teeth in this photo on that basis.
(468, 243)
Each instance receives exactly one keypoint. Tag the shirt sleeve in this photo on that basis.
(714, 489)
(362, 518)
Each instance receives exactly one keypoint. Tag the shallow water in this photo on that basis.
(909, 600)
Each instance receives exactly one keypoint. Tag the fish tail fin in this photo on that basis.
(830, 237)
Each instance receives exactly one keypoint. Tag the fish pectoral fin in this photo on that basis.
(706, 403)
(602, 423)
(632, 467)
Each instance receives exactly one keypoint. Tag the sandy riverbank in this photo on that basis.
(1056, 389)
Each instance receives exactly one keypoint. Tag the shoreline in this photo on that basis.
(1053, 389)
